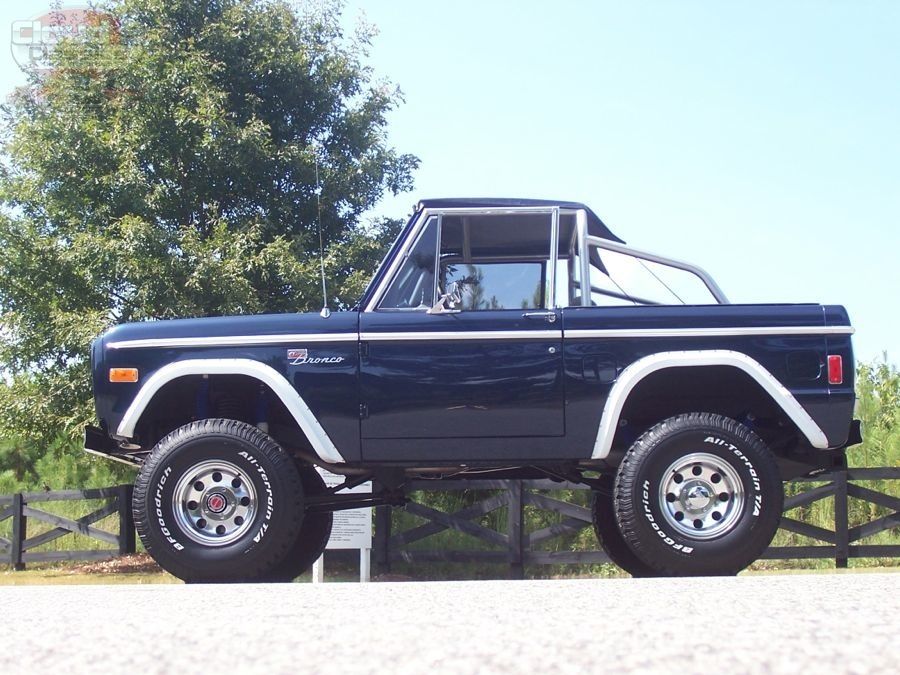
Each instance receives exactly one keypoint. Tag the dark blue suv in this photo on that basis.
(500, 338)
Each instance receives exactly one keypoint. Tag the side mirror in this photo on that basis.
(452, 297)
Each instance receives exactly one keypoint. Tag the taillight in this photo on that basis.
(835, 370)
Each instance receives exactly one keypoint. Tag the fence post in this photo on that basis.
(841, 520)
(514, 529)
(382, 539)
(126, 519)
(19, 529)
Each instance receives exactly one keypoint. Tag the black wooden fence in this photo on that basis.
(516, 548)
(19, 548)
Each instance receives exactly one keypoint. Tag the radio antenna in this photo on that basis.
(325, 313)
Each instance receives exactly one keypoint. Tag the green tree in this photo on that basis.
(167, 166)
(878, 407)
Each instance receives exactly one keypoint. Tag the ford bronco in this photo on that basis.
(499, 338)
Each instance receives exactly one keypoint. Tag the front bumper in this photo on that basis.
(97, 442)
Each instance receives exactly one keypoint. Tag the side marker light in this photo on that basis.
(123, 374)
(835, 370)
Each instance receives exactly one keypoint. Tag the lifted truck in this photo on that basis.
(499, 338)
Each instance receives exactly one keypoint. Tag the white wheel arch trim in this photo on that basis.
(641, 368)
(295, 404)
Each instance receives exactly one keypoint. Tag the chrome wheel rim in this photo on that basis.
(214, 503)
(701, 496)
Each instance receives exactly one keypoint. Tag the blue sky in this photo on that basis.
(760, 140)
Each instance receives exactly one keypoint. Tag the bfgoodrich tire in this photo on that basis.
(313, 536)
(218, 501)
(698, 494)
(607, 531)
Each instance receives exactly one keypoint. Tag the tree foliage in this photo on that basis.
(878, 407)
(167, 166)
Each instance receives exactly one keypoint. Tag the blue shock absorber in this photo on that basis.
(262, 410)
(201, 405)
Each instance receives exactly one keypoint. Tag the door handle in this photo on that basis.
(549, 317)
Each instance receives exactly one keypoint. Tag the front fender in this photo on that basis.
(267, 375)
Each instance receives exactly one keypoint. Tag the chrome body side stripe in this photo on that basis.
(581, 333)
(295, 404)
(310, 338)
(234, 340)
(641, 368)
(462, 335)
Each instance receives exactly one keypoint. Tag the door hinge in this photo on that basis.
(363, 349)
(363, 411)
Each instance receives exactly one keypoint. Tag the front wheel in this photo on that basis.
(218, 501)
(698, 494)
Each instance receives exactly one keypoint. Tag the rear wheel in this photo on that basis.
(218, 501)
(313, 537)
(698, 494)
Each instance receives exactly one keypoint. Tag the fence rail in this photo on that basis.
(842, 540)
(18, 549)
(516, 547)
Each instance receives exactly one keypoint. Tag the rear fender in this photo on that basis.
(641, 368)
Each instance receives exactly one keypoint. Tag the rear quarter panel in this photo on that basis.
(795, 360)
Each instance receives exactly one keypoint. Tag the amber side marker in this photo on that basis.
(123, 374)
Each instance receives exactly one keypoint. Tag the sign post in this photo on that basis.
(351, 529)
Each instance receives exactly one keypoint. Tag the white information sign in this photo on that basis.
(351, 528)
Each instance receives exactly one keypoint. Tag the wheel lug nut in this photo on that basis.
(723, 496)
(238, 520)
(716, 515)
(201, 524)
(696, 471)
(245, 501)
(715, 478)
(678, 478)
(198, 486)
(698, 523)
(236, 483)
(192, 505)
(220, 530)
(217, 477)
(679, 516)
(671, 497)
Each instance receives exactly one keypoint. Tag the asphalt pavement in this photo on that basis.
(825, 623)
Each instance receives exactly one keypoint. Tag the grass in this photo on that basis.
(63, 577)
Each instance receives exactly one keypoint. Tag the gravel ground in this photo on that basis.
(831, 623)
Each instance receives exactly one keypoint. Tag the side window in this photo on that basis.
(619, 279)
(496, 261)
(499, 285)
(413, 285)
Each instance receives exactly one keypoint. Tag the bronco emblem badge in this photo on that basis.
(298, 357)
